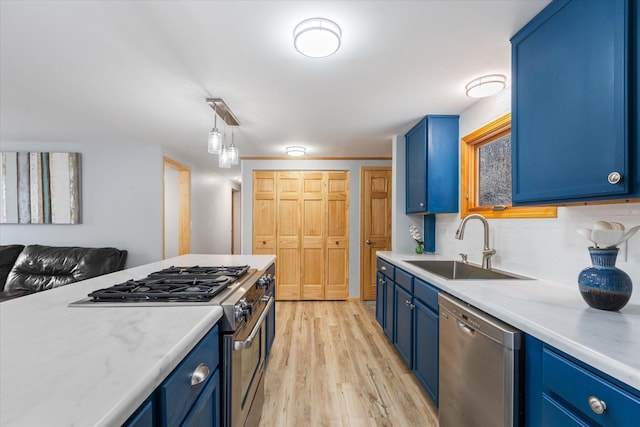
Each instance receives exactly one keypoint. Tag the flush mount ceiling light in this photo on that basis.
(486, 85)
(317, 37)
(295, 150)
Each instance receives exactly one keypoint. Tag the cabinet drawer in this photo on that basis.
(385, 268)
(556, 415)
(426, 293)
(404, 279)
(576, 386)
(176, 393)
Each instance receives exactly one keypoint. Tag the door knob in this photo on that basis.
(368, 242)
(614, 177)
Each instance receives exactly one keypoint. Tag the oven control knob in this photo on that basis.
(262, 282)
(238, 313)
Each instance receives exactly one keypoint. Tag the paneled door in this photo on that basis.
(375, 224)
(337, 265)
(289, 187)
(303, 218)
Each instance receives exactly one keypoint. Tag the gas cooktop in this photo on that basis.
(193, 284)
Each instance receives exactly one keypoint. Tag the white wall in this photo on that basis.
(353, 166)
(121, 202)
(548, 249)
(171, 212)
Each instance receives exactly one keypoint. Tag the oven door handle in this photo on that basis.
(242, 345)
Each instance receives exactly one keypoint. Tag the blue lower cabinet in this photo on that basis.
(176, 402)
(143, 416)
(389, 308)
(206, 410)
(411, 322)
(425, 348)
(380, 296)
(563, 391)
(403, 327)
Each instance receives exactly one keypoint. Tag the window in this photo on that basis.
(486, 174)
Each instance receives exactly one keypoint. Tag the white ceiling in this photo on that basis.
(139, 72)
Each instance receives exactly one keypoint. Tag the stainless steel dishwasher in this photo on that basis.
(479, 367)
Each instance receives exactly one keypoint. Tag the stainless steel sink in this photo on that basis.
(456, 270)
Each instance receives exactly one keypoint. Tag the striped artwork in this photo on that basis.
(39, 188)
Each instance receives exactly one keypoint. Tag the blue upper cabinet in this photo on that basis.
(432, 166)
(575, 83)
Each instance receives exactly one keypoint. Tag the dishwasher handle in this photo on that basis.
(465, 327)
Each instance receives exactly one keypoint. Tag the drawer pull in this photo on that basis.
(383, 268)
(598, 406)
(200, 374)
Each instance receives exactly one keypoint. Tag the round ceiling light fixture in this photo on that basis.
(317, 37)
(295, 150)
(486, 85)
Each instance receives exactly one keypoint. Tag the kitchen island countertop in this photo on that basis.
(551, 312)
(93, 366)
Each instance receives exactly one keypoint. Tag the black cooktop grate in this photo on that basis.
(164, 289)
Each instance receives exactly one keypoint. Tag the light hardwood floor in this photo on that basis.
(331, 365)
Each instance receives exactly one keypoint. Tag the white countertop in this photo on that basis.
(93, 366)
(553, 313)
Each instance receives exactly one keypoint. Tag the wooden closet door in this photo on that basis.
(337, 241)
(313, 235)
(264, 212)
(289, 187)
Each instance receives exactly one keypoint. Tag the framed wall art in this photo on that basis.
(40, 188)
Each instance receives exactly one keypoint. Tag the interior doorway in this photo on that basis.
(176, 236)
(236, 234)
(375, 224)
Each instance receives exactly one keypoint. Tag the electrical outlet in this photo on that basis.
(622, 252)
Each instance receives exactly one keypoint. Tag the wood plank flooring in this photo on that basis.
(331, 365)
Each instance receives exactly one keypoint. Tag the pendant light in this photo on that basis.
(215, 137)
(234, 155)
(224, 159)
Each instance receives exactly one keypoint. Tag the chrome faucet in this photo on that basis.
(487, 252)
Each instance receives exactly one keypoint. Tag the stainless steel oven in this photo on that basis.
(245, 354)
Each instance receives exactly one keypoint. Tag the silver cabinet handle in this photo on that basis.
(598, 406)
(421, 205)
(200, 374)
(383, 268)
(368, 242)
(614, 177)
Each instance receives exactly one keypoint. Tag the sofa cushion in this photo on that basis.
(8, 256)
(44, 267)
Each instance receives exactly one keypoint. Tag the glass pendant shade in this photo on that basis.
(224, 160)
(234, 156)
(215, 141)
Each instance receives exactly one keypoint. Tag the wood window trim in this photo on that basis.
(469, 146)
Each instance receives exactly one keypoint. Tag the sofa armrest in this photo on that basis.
(44, 267)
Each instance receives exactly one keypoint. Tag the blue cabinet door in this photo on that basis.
(570, 104)
(403, 325)
(389, 308)
(425, 348)
(206, 410)
(143, 416)
(416, 164)
(380, 295)
(432, 165)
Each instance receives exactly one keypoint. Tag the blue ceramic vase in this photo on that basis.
(603, 285)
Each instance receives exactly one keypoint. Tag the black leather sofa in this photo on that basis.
(34, 268)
